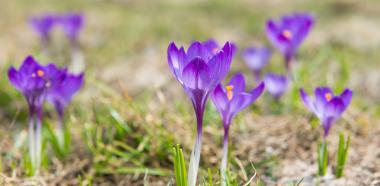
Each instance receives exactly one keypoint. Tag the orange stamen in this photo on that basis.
(230, 94)
(40, 73)
(328, 96)
(287, 34)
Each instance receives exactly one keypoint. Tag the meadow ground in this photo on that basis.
(131, 111)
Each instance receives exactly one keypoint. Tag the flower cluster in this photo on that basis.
(70, 23)
(40, 83)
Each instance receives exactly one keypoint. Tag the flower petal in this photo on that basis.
(306, 99)
(176, 60)
(220, 99)
(196, 75)
(346, 97)
(238, 83)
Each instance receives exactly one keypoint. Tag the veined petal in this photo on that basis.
(196, 75)
(196, 49)
(238, 83)
(176, 60)
(220, 99)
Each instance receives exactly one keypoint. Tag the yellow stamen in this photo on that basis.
(287, 34)
(328, 96)
(40, 73)
(230, 94)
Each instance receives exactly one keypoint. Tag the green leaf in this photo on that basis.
(322, 158)
(342, 154)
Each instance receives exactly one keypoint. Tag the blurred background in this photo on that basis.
(132, 99)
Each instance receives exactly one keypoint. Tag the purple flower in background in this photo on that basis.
(256, 59)
(199, 71)
(39, 83)
(288, 33)
(72, 24)
(61, 95)
(229, 101)
(43, 25)
(34, 80)
(327, 107)
(276, 84)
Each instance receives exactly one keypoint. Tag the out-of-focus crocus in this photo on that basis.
(33, 81)
(43, 25)
(326, 106)
(276, 84)
(288, 33)
(61, 95)
(256, 59)
(199, 71)
(72, 24)
(229, 101)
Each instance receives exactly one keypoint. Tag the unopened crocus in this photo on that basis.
(288, 33)
(256, 58)
(199, 70)
(229, 101)
(43, 25)
(276, 84)
(326, 106)
(33, 81)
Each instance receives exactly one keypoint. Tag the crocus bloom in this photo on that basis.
(326, 106)
(33, 81)
(199, 71)
(288, 33)
(72, 24)
(276, 84)
(256, 59)
(43, 25)
(229, 101)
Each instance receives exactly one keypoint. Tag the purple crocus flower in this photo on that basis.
(43, 25)
(33, 81)
(199, 70)
(327, 107)
(276, 84)
(229, 101)
(288, 33)
(72, 24)
(256, 59)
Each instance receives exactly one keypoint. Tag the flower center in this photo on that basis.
(287, 34)
(328, 96)
(230, 94)
(40, 73)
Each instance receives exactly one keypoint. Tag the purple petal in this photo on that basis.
(72, 24)
(196, 75)
(196, 49)
(307, 101)
(256, 58)
(276, 84)
(238, 83)
(255, 93)
(220, 99)
(332, 112)
(211, 45)
(346, 97)
(176, 60)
